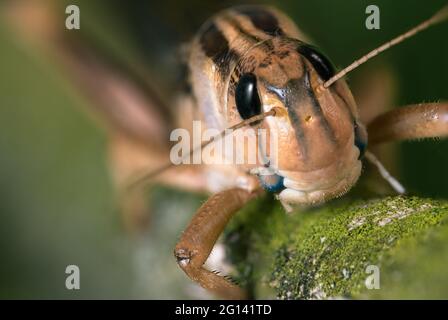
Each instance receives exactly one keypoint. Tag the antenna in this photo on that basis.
(438, 17)
(384, 173)
(219, 136)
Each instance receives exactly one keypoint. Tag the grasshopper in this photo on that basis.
(249, 68)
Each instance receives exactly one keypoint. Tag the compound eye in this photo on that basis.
(246, 96)
(320, 62)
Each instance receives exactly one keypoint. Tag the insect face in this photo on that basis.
(318, 137)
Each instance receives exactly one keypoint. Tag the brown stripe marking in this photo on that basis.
(262, 19)
(216, 47)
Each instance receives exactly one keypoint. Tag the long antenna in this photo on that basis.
(218, 137)
(438, 17)
(384, 173)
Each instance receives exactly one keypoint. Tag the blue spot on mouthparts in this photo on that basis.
(272, 183)
(360, 141)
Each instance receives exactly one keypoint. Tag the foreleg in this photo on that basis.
(198, 240)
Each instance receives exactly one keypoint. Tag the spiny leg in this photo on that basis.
(419, 121)
(198, 239)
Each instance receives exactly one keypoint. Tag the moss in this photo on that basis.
(324, 253)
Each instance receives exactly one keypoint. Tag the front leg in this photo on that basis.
(198, 239)
(423, 120)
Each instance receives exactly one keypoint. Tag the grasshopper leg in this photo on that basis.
(418, 121)
(375, 94)
(198, 239)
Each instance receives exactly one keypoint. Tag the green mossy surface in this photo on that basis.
(323, 253)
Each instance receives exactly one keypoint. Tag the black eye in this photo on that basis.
(246, 96)
(360, 139)
(321, 64)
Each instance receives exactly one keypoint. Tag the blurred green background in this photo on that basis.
(57, 203)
